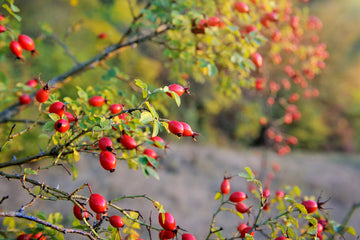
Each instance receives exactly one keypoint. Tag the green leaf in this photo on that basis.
(48, 127)
(297, 191)
(153, 173)
(152, 110)
(11, 12)
(312, 230)
(301, 208)
(146, 117)
(53, 116)
(82, 94)
(250, 172)
(29, 171)
(143, 160)
(212, 70)
(41, 215)
(175, 97)
(155, 128)
(233, 28)
(9, 222)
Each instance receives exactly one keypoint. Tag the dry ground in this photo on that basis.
(191, 174)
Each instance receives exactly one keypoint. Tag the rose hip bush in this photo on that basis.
(266, 51)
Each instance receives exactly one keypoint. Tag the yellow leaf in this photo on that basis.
(74, 3)
(76, 156)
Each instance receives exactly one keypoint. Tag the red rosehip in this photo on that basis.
(188, 132)
(157, 139)
(105, 144)
(245, 231)
(213, 21)
(108, 161)
(178, 89)
(1, 17)
(115, 108)
(128, 142)
(96, 101)
(61, 125)
(97, 203)
(2, 28)
(294, 22)
(320, 228)
(70, 117)
(187, 236)
(26, 42)
(225, 186)
(272, 16)
(25, 99)
(58, 108)
(102, 35)
(256, 58)
(151, 153)
(167, 221)
(16, 49)
(116, 221)
(250, 28)
(276, 36)
(241, 207)
(166, 234)
(176, 128)
(281, 238)
(241, 7)
(237, 197)
(32, 83)
(259, 84)
(279, 194)
(310, 205)
(79, 213)
(202, 23)
(42, 95)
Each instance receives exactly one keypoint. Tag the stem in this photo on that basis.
(214, 216)
(47, 224)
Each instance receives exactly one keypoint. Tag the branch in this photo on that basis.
(47, 224)
(108, 53)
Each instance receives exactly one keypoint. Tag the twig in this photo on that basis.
(66, 48)
(46, 224)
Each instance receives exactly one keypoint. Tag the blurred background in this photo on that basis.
(325, 160)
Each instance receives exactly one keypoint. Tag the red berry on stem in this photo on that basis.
(26, 42)
(16, 49)
(32, 83)
(266, 193)
(241, 7)
(245, 231)
(178, 89)
(105, 144)
(157, 139)
(176, 128)
(151, 153)
(96, 101)
(1, 17)
(259, 84)
(42, 95)
(166, 234)
(108, 161)
(79, 213)
(115, 108)
(61, 125)
(167, 221)
(2, 28)
(187, 236)
(58, 108)
(213, 21)
(128, 142)
(102, 35)
(25, 99)
(202, 23)
(241, 207)
(237, 197)
(279, 194)
(70, 117)
(281, 238)
(116, 221)
(256, 58)
(225, 186)
(97, 203)
(310, 205)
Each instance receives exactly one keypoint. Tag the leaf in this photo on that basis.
(48, 127)
(153, 173)
(301, 208)
(140, 84)
(155, 128)
(211, 70)
(41, 215)
(146, 117)
(29, 171)
(143, 160)
(152, 110)
(312, 230)
(53, 116)
(82, 94)
(218, 196)
(76, 155)
(297, 191)
(7, 8)
(249, 171)
(352, 231)
(9, 222)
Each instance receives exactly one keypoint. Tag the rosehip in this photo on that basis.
(187, 236)
(16, 49)
(108, 161)
(256, 58)
(116, 221)
(237, 197)
(2, 28)
(213, 21)
(157, 139)
(176, 128)
(166, 234)
(42, 95)
(281, 238)
(70, 117)
(241, 207)
(250, 28)
(259, 84)
(167, 221)
(245, 231)
(105, 144)
(178, 89)
(102, 35)
(128, 142)
(58, 108)
(241, 7)
(115, 108)
(202, 23)
(32, 83)
(25, 99)
(61, 125)
(1, 17)
(310, 205)
(79, 213)
(96, 101)
(279, 194)
(225, 187)
(26, 42)
(151, 153)
(97, 203)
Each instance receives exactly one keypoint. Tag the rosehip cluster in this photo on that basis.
(182, 129)
(23, 42)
